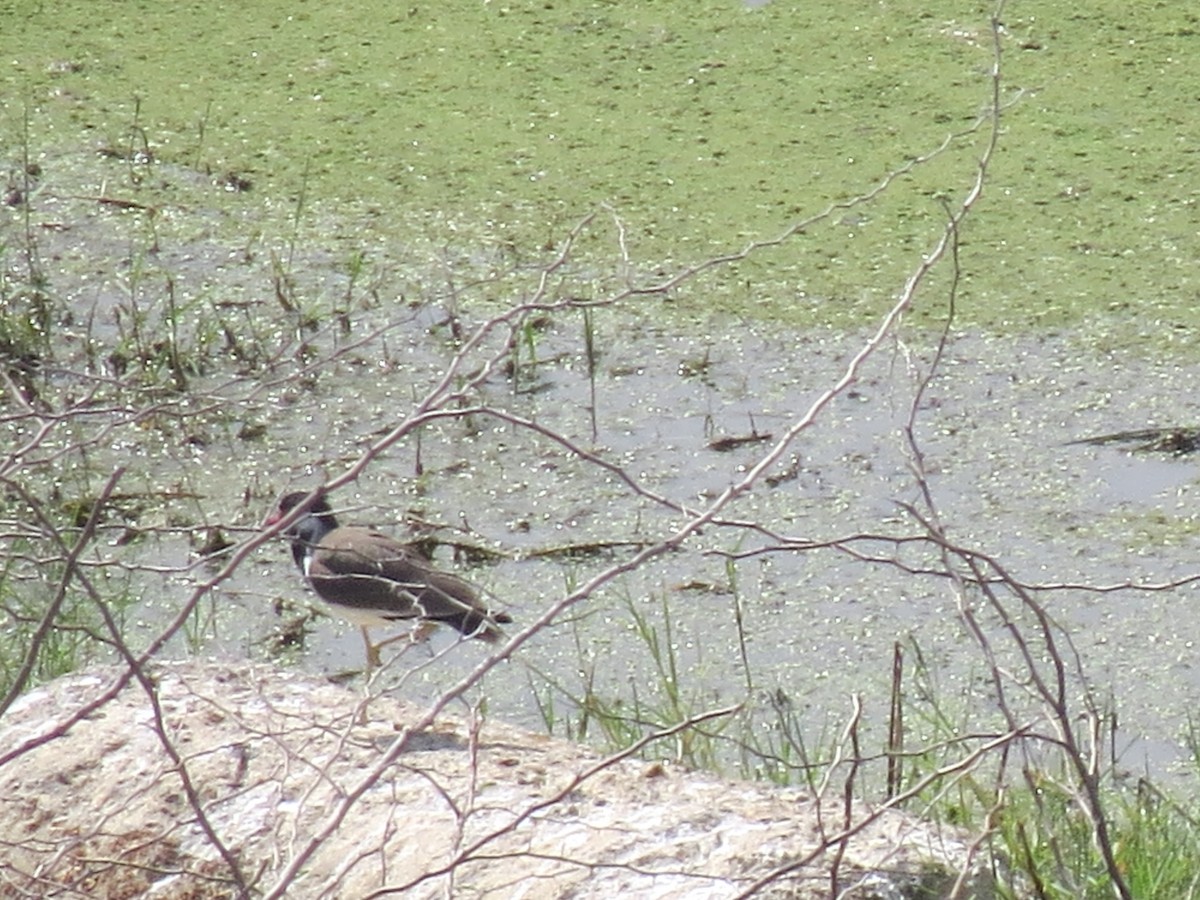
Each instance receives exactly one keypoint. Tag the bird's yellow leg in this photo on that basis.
(373, 660)
(418, 634)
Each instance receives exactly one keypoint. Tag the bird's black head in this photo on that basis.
(308, 531)
(317, 507)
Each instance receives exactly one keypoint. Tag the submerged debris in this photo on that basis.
(1177, 441)
(733, 441)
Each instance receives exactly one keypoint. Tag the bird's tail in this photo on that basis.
(484, 626)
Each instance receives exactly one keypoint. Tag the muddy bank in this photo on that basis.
(220, 774)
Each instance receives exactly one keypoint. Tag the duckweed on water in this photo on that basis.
(703, 124)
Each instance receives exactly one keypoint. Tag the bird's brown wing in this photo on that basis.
(370, 573)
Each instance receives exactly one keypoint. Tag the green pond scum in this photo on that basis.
(703, 125)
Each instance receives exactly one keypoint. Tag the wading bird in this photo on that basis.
(373, 580)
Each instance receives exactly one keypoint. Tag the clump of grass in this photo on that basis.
(660, 703)
(27, 308)
(1046, 843)
(52, 625)
(58, 650)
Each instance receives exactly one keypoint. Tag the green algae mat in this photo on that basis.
(701, 125)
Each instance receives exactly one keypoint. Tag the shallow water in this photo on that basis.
(385, 203)
(819, 624)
